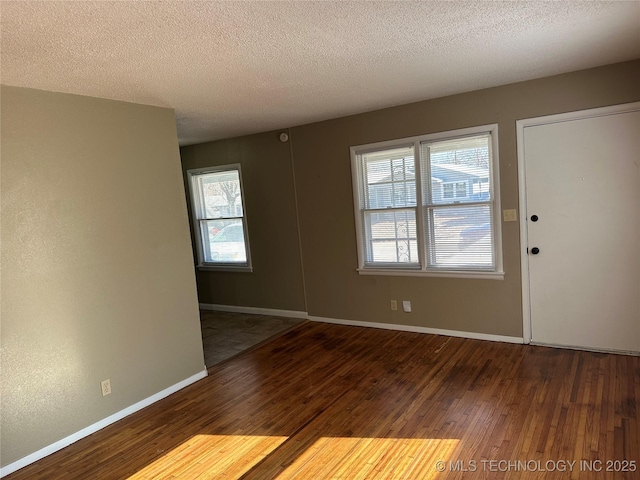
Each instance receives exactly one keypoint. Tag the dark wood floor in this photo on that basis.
(329, 401)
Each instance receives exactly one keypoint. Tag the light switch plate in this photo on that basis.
(510, 215)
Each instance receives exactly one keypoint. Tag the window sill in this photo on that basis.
(224, 268)
(431, 273)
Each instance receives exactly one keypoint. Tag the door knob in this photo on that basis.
(535, 250)
(534, 218)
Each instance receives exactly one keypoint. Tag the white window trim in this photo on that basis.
(196, 215)
(423, 271)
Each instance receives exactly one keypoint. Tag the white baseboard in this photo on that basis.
(85, 432)
(633, 353)
(358, 323)
(411, 328)
(254, 310)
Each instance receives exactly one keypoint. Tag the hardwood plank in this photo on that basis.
(331, 401)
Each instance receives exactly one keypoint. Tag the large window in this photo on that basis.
(428, 205)
(219, 218)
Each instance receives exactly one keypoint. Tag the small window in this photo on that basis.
(428, 205)
(219, 218)
(447, 190)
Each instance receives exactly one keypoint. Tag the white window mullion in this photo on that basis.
(429, 238)
(420, 226)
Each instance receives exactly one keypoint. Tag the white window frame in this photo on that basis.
(397, 269)
(197, 215)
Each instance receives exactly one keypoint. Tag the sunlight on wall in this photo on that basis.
(231, 456)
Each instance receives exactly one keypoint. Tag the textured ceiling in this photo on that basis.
(232, 68)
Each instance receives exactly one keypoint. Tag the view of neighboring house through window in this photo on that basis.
(428, 204)
(219, 217)
(389, 200)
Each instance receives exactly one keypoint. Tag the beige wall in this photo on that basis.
(321, 162)
(97, 278)
(276, 280)
(323, 179)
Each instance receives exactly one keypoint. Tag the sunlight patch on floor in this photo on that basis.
(231, 456)
(211, 456)
(353, 457)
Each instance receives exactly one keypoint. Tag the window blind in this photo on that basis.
(458, 203)
(388, 197)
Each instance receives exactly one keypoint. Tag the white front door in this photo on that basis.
(581, 196)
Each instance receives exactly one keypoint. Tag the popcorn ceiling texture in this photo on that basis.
(233, 68)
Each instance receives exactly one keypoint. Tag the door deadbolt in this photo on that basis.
(534, 218)
(535, 251)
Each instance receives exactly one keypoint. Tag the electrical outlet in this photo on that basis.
(106, 387)
(394, 305)
(406, 306)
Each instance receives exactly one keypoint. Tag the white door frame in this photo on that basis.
(522, 190)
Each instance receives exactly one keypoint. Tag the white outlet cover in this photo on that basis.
(106, 387)
(406, 306)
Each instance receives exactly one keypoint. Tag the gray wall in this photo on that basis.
(267, 175)
(97, 278)
(324, 196)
